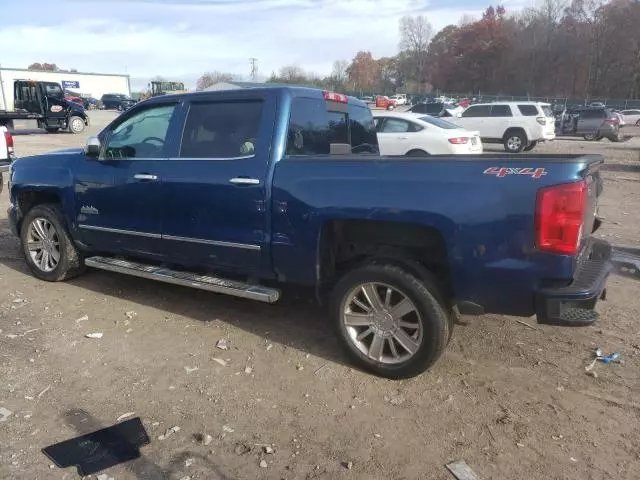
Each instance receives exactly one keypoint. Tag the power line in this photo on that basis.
(254, 69)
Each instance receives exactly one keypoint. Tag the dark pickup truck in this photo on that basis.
(242, 191)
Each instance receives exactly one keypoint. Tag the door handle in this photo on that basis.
(404, 138)
(244, 181)
(145, 176)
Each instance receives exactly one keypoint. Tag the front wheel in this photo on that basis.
(76, 125)
(47, 246)
(388, 321)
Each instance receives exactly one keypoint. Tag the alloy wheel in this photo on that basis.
(382, 323)
(43, 244)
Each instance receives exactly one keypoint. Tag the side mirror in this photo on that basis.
(92, 148)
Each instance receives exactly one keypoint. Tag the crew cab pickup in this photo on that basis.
(243, 191)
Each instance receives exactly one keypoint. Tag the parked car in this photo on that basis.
(262, 185)
(437, 109)
(6, 153)
(91, 103)
(519, 126)
(116, 101)
(418, 135)
(400, 98)
(591, 123)
(74, 99)
(631, 117)
(385, 102)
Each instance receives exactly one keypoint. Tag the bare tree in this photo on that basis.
(339, 75)
(211, 78)
(415, 33)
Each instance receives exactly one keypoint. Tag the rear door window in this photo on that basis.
(501, 111)
(225, 130)
(314, 128)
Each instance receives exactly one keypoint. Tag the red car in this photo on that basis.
(385, 102)
(73, 99)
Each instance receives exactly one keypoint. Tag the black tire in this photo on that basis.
(434, 317)
(530, 147)
(120, 108)
(71, 263)
(638, 123)
(591, 137)
(417, 153)
(76, 125)
(53, 129)
(515, 141)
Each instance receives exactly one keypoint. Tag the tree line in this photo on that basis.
(577, 49)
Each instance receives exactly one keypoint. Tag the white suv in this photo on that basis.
(519, 126)
(400, 98)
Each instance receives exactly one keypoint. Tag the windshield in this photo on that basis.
(438, 122)
(53, 90)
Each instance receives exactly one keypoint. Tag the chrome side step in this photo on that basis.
(186, 279)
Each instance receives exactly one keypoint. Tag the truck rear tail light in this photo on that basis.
(559, 217)
(9, 141)
(541, 120)
(335, 97)
(459, 140)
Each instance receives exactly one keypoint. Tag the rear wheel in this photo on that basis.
(417, 153)
(76, 125)
(389, 322)
(515, 141)
(530, 147)
(47, 246)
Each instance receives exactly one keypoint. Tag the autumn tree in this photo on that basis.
(363, 72)
(211, 78)
(50, 67)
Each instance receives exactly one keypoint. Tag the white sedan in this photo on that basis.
(417, 135)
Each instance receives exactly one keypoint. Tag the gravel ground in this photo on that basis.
(513, 401)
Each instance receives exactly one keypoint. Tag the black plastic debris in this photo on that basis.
(101, 449)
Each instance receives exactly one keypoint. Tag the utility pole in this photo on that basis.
(254, 69)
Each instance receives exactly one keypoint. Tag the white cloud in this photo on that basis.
(182, 40)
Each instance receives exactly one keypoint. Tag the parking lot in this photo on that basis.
(511, 398)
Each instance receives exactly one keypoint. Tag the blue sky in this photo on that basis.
(180, 39)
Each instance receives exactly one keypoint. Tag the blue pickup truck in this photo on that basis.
(243, 191)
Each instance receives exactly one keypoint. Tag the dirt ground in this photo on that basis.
(513, 401)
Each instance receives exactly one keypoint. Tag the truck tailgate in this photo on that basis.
(593, 179)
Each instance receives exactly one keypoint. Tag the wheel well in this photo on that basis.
(345, 244)
(417, 150)
(515, 130)
(26, 200)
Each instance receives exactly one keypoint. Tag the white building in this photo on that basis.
(86, 84)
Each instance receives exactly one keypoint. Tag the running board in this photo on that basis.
(186, 279)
